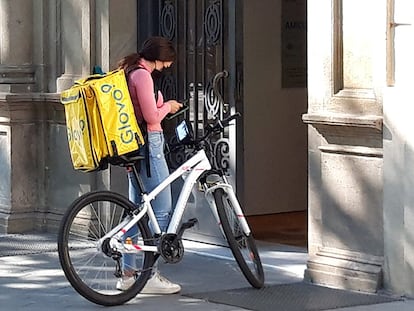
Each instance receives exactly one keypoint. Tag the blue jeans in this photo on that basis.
(162, 204)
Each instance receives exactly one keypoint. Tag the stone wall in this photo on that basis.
(25, 123)
(45, 46)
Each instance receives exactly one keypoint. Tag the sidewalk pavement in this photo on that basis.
(35, 282)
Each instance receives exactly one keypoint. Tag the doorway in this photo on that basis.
(257, 62)
(274, 100)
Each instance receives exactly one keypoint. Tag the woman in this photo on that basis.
(150, 108)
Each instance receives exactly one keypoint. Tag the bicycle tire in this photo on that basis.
(87, 268)
(243, 246)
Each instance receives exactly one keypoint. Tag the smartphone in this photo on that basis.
(183, 101)
(183, 109)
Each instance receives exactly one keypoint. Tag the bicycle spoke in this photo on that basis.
(242, 245)
(91, 268)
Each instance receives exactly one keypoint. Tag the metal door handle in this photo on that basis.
(217, 77)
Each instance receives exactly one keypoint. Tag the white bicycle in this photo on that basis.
(92, 236)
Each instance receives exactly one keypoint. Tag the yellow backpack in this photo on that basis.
(100, 120)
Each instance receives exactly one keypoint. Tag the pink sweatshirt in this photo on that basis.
(141, 88)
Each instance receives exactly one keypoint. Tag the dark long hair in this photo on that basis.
(154, 48)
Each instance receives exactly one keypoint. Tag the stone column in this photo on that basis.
(23, 140)
(95, 33)
(18, 190)
(92, 33)
(17, 73)
(76, 24)
(346, 75)
(116, 36)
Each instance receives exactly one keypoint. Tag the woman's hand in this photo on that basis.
(175, 106)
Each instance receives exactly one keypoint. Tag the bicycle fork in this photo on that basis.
(228, 189)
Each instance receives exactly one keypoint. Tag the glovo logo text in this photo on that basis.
(127, 135)
(76, 134)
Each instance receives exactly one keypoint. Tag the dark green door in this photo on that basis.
(207, 73)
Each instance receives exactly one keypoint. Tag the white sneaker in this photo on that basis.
(158, 284)
(125, 282)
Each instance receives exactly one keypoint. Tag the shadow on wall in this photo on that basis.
(348, 188)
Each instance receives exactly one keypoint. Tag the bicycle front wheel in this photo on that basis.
(94, 269)
(242, 245)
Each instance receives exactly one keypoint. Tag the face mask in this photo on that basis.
(156, 74)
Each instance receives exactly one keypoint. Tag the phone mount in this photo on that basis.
(183, 131)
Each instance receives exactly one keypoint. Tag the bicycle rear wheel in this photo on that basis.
(243, 246)
(92, 269)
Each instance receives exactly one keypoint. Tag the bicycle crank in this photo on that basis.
(171, 246)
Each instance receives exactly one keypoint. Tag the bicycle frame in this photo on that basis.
(190, 171)
(192, 168)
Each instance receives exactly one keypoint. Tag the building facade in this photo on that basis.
(45, 46)
(360, 145)
(338, 147)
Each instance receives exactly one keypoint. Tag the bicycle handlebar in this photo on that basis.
(224, 123)
(219, 126)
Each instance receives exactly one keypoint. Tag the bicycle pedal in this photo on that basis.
(186, 225)
(189, 223)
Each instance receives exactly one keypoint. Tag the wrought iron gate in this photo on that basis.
(205, 73)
